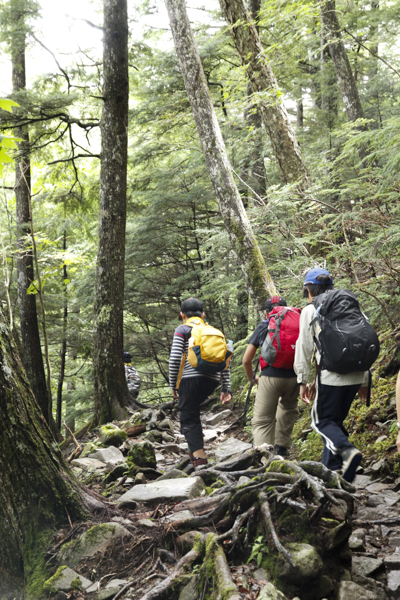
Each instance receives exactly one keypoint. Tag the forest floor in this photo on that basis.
(355, 529)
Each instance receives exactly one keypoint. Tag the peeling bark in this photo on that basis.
(258, 281)
(263, 84)
(111, 392)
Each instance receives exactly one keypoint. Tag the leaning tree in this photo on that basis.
(37, 490)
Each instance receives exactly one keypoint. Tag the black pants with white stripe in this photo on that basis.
(331, 407)
(192, 392)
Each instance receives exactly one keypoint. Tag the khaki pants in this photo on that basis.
(275, 411)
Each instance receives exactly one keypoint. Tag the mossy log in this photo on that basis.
(37, 489)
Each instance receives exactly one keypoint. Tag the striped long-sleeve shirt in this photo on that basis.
(180, 345)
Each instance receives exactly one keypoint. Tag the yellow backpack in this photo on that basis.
(208, 351)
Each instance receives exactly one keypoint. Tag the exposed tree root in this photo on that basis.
(268, 519)
(160, 589)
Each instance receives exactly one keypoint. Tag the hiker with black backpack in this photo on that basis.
(198, 363)
(345, 345)
(276, 405)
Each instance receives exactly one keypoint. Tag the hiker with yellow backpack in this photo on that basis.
(198, 363)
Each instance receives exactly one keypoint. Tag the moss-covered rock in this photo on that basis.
(142, 454)
(111, 435)
(89, 448)
(308, 564)
(269, 592)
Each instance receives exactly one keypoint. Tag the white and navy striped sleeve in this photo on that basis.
(175, 358)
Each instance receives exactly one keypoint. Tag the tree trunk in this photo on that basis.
(111, 392)
(32, 353)
(63, 351)
(36, 486)
(262, 79)
(344, 74)
(257, 278)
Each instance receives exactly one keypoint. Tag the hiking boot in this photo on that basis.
(351, 458)
(280, 450)
(197, 462)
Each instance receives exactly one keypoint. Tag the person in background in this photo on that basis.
(334, 392)
(194, 387)
(131, 376)
(276, 405)
(398, 411)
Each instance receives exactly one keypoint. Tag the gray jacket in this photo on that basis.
(305, 348)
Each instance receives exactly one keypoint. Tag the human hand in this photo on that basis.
(304, 393)
(225, 397)
(256, 379)
(175, 394)
(363, 393)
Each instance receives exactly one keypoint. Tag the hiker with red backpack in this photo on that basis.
(198, 363)
(345, 345)
(276, 405)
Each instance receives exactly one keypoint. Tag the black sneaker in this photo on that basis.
(351, 458)
(280, 450)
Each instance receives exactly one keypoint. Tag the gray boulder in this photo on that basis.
(190, 591)
(231, 447)
(168, 490)
(308, 564)
(215, 419)
(348, 590)
(95, 539)
(65, 580)
(111, 456)
(89, 464)
(365, 565)
(173, 474)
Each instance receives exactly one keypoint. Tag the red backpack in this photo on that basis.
(280, 342)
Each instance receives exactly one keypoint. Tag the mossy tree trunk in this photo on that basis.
(258, 281)
(111, 392)
(36, 487)
(261, 80)
(32, 353)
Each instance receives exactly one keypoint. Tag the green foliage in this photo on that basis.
(258, 550)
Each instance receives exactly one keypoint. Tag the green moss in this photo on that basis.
(48, 586)
(280, 466)
(76, 584)
(35, 564)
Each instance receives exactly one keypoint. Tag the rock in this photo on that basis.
(88, 448)
(190, 591)
(308, 564)
(174, 448)
(378, 466)
(215, 419)
(96, 539)
(394, 541)
(116, 583)
(242, 480)
(88, 464)
(231, 447)
(169, 490)
(108, 592)
(111, 456)
(269, 592)
(260, 574)
(382, 511)
(111, 435)
(339, 511)
(140, 479)
(142, 416)
(361, 481)
(385, 531)
(93, 588)
(186, 541)
(348, 590)
(122, 521)
(142, 454)
(365, 565)
(160, 457)
(377, 487)
(392, 561)
(371, 585)
(172, 474)
(357, 540)
(178, 516)
(147, 523)
(394, 580)
(209, 435)
(65, 580)
(153, 436)
(166, 424)
(325, 586)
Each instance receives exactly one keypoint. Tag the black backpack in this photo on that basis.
(347, 342)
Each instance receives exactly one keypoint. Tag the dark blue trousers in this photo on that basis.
(331, 407)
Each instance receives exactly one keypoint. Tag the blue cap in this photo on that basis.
(311, 277)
